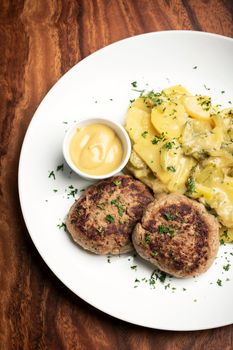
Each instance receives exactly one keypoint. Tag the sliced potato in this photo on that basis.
(170, 120)
(180, 176)
(136, 161)
(199, 138)
(176, 90)
(141, 104)
(151, 155)
(182, 143)
(197, 107)
(138, 124)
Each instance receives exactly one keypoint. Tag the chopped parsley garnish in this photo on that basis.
(157, 275)
(205, 102)
(168, 145)
(162, 276)
(133, 267)
(147, 238)
(154, 98)
(101, 206)
(117, 182)
(195, 67)
(171, 168)
(190, 185)
(144, 134)
(206, 87)
(219, 283)
(60, 167)
(165, 229)
(73, 191)
(109, 218)
(225, 233)
(62, 225)
(226, 267)
(158, 138)
(168, 216)
(134, 84)
(119, 206)
(154, 253)
(51, 174)
(222, 92)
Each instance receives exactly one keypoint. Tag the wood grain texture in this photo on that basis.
(40, 40)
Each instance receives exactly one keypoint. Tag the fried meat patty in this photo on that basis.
(177, 235)
(103, 219)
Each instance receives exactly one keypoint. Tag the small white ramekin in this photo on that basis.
(120, 132)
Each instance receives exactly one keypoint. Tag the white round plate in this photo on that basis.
(101, 86)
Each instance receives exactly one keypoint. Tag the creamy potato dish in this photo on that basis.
(182, 143)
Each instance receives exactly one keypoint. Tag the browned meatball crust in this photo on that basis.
(103, 219)
(177, 235)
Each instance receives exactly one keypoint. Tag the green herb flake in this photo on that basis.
(168, 216)
(162, 276)
(147, 238)
(171, 168)
(62, 225)
(120, 207)
(51, 174)
(157, 139)
(109, 218)
(219, 283)
(222, 92)
(226, 267)
(134, 84)
(165, 229)
(206, 87)
(101, 206)
(134, 267)
(73, 191)
(195, 67)
(60, 167)
(190, 185)
(154, 253)
(168, 145)
(117, 182)
(144, 134)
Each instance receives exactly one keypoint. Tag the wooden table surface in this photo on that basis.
(40, 40)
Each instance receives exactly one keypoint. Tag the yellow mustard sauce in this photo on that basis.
(95, 149)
